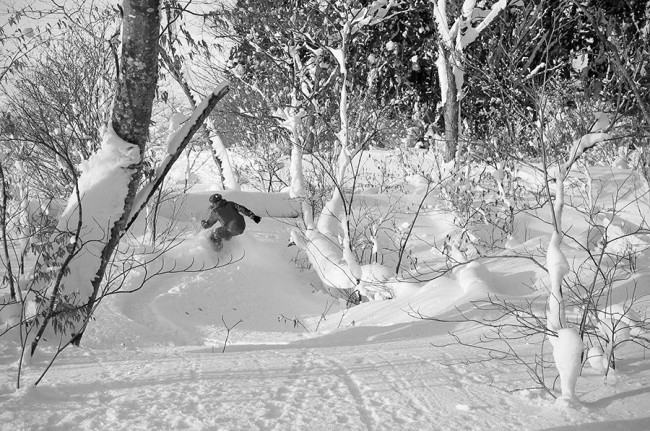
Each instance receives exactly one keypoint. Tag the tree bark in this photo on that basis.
(451, 109)
(3, 231)
(132, 108)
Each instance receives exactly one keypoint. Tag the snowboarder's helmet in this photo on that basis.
(215, 198)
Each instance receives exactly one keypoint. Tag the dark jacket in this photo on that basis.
(229, 214)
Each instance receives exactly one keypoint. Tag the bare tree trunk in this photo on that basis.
(310, 138)
(3, 231)
(451, 109)
(311, 145)
(139, 71)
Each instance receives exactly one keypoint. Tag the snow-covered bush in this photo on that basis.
(589, 264)
(604, 253)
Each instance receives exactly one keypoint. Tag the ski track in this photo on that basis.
(142, 309)
(359, 395)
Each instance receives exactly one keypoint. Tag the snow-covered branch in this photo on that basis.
(176, 144)
(583, 144)
(472, 33)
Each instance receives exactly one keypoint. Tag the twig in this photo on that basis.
(295, 321)
(228, 329)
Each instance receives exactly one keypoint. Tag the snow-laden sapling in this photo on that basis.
(334, 259)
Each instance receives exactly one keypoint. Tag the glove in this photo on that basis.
(257, 219)
(204, 224)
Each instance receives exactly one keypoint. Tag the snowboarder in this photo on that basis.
(228, 214)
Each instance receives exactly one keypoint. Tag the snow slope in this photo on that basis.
(299, 359)
(387, 385)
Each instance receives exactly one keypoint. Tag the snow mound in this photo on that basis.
(327, 259)
(617, 323)
(476, 280)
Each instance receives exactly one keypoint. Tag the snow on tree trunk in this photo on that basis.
(104, 188)
(448, 90)
(453, 40)
(219, 150)
(178, 142)
(558, 268)
(333, 220)
(348, 255)
(556, 261)
(567, 345)
(109, 178)
(329, 222)
(566, 342)
(567, 353)
(131, 115)
(292, 120)
(333, 214)
(298, 188)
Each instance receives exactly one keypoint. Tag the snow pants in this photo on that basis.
(223, 233)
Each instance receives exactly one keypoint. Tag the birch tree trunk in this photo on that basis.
(452, 41)
(451, 108)
(101, 203)
(133, 104)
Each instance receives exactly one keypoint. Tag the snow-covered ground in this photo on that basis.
(297, 358)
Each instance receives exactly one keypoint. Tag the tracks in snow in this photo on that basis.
(331, 389)
(387, 386)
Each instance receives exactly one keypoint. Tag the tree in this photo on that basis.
(75, 265)
(64, 99)
(623, 30)
(451, 64)
(395, 62)
(97, 213)
(560, 41)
